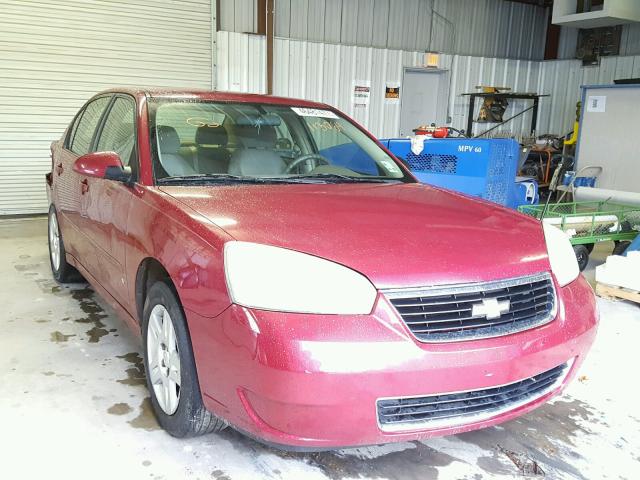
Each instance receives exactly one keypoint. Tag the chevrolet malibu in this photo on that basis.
(290, 278)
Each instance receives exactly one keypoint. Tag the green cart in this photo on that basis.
(587, 223)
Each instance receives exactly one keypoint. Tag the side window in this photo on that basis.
(118, 133)
(81, 141)
(72, 130)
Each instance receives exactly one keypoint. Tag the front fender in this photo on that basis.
(186, 244)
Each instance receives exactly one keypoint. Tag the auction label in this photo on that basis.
(314, 112)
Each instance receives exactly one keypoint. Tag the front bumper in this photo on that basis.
(312, 381)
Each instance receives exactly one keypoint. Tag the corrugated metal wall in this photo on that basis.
(563, 78)
(629, 41)
(492, 28)
(54, 55)
(238, 16)
(326, 72)
(520, 75)
(241, 62)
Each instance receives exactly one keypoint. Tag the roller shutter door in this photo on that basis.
(55, 54)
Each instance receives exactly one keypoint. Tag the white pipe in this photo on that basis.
(583, 224)
(589, 194)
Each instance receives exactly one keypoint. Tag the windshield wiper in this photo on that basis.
(223, 178)
(336, 177)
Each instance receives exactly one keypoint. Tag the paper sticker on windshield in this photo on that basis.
(314, 112)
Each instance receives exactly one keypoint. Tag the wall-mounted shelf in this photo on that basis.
(580, 13)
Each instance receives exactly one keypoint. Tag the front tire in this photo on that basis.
(582, 255)
(62, 271)
(170, 367)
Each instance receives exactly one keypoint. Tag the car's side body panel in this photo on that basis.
(116, 227)
(161, 229)
(105, 206)
(66, 187)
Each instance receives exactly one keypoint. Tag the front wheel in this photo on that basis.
(582, 255)
(170, 367)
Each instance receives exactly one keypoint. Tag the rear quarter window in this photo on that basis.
(86, 126)
(72, 130)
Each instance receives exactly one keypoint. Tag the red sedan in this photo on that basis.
(290, 278)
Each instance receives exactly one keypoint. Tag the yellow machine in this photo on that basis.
(576, 125)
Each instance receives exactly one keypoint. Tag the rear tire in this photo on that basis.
(582, 255)
(590, 247)
(170, 367)
(62, 271)
(620, 247)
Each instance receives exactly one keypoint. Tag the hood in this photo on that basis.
(398, 235)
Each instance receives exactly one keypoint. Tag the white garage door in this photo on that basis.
(55, 54)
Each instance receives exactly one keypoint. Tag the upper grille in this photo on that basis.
(479, 310)
(451, 409)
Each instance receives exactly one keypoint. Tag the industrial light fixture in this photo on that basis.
(431, 60)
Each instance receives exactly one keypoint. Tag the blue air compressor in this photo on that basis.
(481, 167)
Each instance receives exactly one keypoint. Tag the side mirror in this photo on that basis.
(105, 165)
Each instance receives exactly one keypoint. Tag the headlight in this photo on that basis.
(561, 255)
(272, 278)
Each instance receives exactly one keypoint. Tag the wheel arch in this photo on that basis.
(150, 271)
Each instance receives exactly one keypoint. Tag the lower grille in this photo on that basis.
(453, 409)
(476, 310)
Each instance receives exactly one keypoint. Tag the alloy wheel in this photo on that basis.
(164, 359)
(54, 241)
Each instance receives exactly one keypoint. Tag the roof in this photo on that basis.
(216, 96)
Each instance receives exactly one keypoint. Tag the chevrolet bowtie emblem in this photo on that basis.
(490, 308)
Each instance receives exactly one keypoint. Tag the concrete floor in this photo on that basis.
(73, 403)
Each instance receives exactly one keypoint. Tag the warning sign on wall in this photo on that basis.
(361, 93)
(392, 92)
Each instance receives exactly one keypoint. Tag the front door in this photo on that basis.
(424, 99)
(106, 203)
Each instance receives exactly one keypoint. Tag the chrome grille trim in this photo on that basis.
(454, 409)
(443, 313)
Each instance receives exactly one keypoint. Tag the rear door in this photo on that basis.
(105, 204)
(68, 184)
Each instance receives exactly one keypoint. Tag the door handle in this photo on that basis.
(59, 168)
(84, 186)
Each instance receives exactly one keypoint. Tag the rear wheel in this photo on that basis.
(62, 271)
(582, 255)
(170, 367)
(620, 247)
(590, 247)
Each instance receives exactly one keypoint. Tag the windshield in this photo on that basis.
(210, 141)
